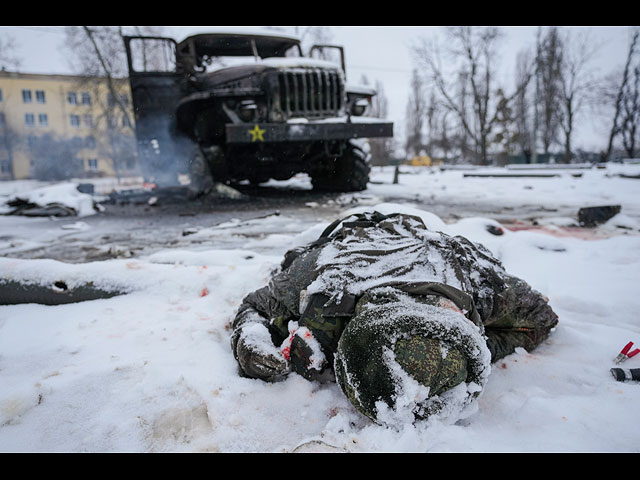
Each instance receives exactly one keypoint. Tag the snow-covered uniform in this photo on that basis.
(378, 297)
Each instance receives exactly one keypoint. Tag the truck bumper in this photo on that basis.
(308, 131)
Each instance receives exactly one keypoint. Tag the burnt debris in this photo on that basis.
(594, 216)
(14, 292)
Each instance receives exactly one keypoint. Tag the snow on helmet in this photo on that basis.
(405, 357)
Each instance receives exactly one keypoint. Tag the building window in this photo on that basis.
(40, 96)
(124, 100)
(88, 120)
(43, 119)
(29, 119)
(75, 120)
(72, 98)
(86, 98)
(0, 94)
(90, 142)
(92, 164)
(5, 167)
(26, 96)
(32, 140)
(2, 119)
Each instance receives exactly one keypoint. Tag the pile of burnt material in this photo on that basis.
(28, 209)
(61, 200)
(14, 292)
(139, 196)
(594, 216)
(170, 195)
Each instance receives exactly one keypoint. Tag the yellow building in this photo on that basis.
(60, 126)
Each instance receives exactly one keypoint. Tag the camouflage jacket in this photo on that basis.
(319, 285)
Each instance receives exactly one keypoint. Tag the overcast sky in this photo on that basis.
(380, 53)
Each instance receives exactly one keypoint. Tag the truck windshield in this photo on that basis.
(216, 63)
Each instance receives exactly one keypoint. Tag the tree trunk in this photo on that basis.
(625, 77)
(483, 152)
(568, 132)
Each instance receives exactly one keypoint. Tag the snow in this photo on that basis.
(64, 193)
(152, 370)
(293, 62)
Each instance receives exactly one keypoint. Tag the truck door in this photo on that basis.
(156, 87)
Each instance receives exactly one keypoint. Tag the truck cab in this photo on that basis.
(230, 106)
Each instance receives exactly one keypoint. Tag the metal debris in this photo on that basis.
(593, 216)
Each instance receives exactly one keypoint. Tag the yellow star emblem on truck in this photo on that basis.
(256, 134)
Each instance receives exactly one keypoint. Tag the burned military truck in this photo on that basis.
(248, 107)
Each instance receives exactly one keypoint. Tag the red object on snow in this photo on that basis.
(626, 354)
(286, 351)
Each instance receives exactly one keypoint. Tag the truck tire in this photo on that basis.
(199, 173)
(347, 173)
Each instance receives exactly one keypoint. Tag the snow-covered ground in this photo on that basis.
(152, 370)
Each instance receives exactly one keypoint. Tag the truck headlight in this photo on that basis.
(359, 107)
(247, 110)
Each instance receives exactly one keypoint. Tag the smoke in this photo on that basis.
(55, 159)
(164, 154)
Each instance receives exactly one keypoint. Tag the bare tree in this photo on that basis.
(549, 51)
(474, 50)
(380, 147)
(8, 57)
(631, 114)
(505, 136)
(444, 141)
(432, 114)
(98, 53)
(310, 36)
(576, 84)
(416, 109)
(623, 90)
(107, 62)
(522, 105)
(9, 140)
(461, 136)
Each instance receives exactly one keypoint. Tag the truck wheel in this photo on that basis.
(347, 173)
(199, 173)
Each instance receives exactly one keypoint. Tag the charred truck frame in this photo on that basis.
(277, 114)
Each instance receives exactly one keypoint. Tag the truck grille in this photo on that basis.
(310, 93)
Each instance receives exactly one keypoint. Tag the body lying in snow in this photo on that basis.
(408, 320)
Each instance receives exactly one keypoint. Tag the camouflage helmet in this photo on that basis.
(404, 357)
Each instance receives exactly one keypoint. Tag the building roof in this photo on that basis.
(52, 76)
